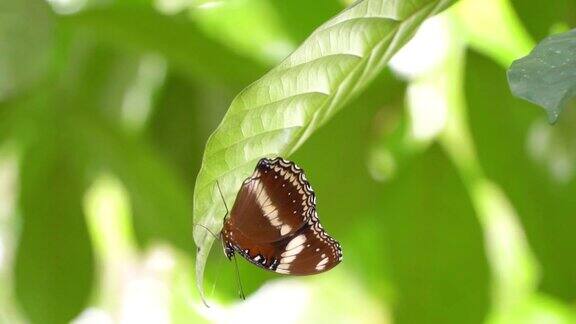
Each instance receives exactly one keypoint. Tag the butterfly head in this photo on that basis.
(263, 163)
(227, 245)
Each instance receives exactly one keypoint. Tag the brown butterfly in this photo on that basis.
(274, 225)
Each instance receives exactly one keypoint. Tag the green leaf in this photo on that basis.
(277, 113)
(103, 78)
(308, 14)
(513, 147)
(92, 96)
(54, 262)
(538, 308)
(179, 40)
(250, 27)
(160, 200)
(180, 126)
(540, 18)
(547, 76)
(26, 44)
(431, 230)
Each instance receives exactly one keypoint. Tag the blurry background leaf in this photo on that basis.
(182, 122)
(301, 17)
(432, 229)
(26, 44)
(277, 113)
(537, 309)
(494, 29)
(543, 198)
(161, 205)
(100, 76)
(96, 88)
(250, 27)
(547, 76)
(54, 262)
(543, 18)
(142, 29)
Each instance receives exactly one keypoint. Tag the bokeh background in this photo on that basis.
(454, 202)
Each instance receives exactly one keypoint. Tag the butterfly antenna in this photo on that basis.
(223, 200)
(240, 289)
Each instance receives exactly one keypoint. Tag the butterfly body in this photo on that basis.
(274, 224)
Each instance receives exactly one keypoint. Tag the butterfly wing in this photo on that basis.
(307, 251)
(274, 202)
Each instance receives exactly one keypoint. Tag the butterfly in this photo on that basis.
(274, 225)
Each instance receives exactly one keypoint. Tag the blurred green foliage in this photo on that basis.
(545, 214)
(129, 91)
(54, 265)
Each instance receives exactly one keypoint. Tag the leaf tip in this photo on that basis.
(552, 116)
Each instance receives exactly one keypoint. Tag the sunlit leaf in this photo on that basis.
(54, 262)
(547, 76)
(277, 113)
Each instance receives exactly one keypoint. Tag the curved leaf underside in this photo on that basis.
(277, 113)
